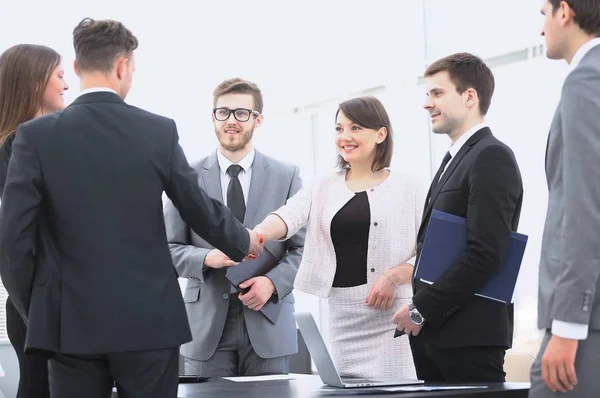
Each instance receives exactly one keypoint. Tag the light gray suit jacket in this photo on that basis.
(207, 292)
(570, 263)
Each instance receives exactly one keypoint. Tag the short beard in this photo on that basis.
(235, 147)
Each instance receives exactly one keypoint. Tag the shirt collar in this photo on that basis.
(97, 90)
(246, 162)
(464, 138)
(583, 50)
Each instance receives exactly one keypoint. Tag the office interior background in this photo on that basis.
(307, 56)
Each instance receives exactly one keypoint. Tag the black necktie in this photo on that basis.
(436, 179)
(235, 194)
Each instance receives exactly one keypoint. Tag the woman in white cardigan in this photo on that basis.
(362, 224)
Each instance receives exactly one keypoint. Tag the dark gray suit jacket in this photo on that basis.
(570, 265)
(83, 249)
(207, 292)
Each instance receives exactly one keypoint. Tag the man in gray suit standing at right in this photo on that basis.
(569, 284)
(230, 336)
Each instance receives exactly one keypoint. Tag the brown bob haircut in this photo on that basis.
(369, 112)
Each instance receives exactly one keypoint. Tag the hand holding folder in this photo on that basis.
(252, 268)
(446, 240)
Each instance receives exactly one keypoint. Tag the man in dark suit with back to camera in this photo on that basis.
(83, 247)
(456, 336)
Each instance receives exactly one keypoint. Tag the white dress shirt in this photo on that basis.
(97, 90)
(461, 142)
(571, 330)
(244, 176)
(581, 53)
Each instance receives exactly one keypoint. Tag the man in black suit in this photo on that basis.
(83, 247)
(454, 335)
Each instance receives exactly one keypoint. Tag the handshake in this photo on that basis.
(257, 243)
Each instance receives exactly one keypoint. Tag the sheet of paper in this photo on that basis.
(245, 379)
(429, 388)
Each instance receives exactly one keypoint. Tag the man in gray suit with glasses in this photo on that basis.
(569, 302)
(231, 337)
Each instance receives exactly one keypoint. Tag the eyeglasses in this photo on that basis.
(240, 114)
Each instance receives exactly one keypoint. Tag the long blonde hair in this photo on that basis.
(24, 73)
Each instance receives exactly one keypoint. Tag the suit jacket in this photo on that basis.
(207, 291)
(83, 249)
(5, 153)
(570, 264)
(482, 184)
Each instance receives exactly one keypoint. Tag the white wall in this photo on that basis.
(307, 56)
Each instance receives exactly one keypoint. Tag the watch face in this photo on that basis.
(416, 318)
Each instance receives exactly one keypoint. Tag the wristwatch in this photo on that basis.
(415, 315)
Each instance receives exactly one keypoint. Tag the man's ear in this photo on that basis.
(76, 68)
(122, 64)
(259, 120)
(471, 98)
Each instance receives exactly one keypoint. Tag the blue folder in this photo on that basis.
(446, 240)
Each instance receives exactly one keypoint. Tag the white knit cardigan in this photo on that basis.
(396, 207)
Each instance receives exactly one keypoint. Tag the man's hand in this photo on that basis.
(558, 364)
(256, 244)
(382, 293)
(261, 290)
(217, 259)
(404, 323)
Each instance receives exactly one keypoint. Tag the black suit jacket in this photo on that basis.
(83, 248)
(5, 153)
(482, 184)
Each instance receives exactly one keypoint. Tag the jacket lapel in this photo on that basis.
(258, 181)
(211, 177)
(484, 132)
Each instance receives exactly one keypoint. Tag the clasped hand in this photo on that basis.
(257, 243)
(260, 291)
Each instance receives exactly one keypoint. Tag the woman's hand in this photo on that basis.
(383, 292)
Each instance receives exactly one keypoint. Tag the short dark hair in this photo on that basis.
(98, 43)
(369, 112)
(239, 86)
(587, 14)
(467, 71)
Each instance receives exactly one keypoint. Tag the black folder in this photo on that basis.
(252, 268)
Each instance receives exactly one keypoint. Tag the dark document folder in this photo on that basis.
(446, 240)
(258, 267)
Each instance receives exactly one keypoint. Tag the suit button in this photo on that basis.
(375, 223)
(225, 296)
(585, 308)
(419, 246)
(372, 269)
(372, 190)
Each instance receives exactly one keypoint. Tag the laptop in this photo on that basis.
(325, 366)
